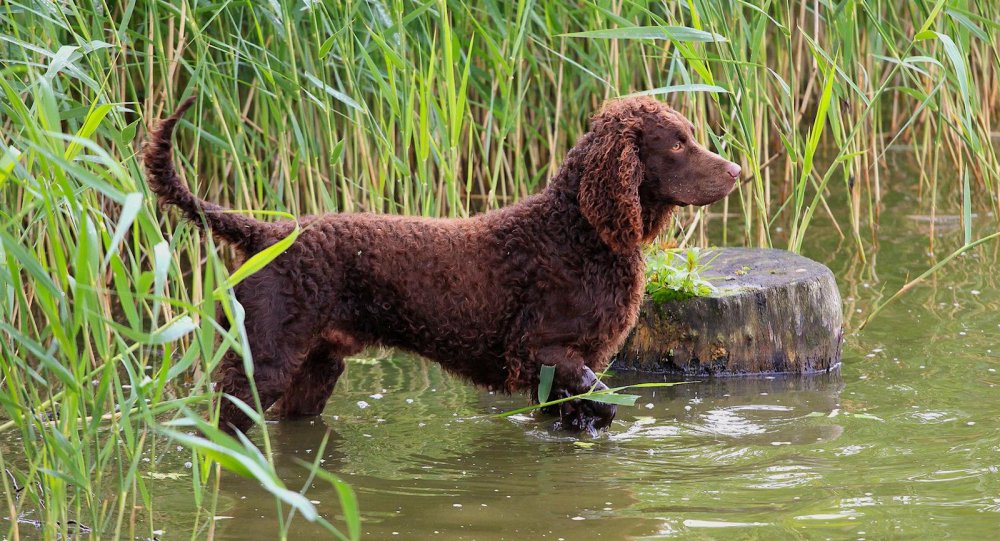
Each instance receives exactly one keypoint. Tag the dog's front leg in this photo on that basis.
(573, 377)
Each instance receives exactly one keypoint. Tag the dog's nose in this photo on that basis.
(733, 170)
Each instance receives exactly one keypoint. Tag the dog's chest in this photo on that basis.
(626, 290)
(594, 306)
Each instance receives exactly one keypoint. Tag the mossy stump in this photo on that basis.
(774, 312)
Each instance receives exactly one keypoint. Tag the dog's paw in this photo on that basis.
(585, 415)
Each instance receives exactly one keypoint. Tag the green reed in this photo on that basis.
(108, 327)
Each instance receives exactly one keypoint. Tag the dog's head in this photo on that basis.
(643, 154)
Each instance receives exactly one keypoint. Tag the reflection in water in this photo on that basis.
(423, 463)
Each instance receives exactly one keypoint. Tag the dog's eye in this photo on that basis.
(677, 146)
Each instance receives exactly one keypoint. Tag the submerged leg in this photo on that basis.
(574, 377)
(585, 415)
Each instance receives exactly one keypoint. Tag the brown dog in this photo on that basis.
(553, 280)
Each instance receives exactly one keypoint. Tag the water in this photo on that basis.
(903, 442)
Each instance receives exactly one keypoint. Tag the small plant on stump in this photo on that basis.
(676, 275)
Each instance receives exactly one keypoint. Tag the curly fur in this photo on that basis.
(555, 279)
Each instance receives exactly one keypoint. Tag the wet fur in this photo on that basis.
(555, 279)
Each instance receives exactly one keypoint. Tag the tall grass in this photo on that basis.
(107, 313)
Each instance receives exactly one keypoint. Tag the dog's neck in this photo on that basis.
(655, 217)
(565, 185)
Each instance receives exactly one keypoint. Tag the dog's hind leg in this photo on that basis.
(312, 385)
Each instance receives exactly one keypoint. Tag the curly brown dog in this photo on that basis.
(553, 280)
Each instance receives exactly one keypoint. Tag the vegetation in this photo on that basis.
(667, 281)
(108, 326)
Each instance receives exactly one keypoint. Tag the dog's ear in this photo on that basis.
(609, 184)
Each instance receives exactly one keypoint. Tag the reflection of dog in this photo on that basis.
(555, 279)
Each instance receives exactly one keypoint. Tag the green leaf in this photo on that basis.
(965, 21)
(958, 61)
(337, 151)
(94, 118)
(336, 94)
(38, 352)
(127, 135)
(130, 209)
(348, 502)
(161, 264)
(967, 208)
(667, 282)
(672, 33)
(174, 330)
(46, 107)
(693, 87)
(241, 461)
(591, 395)
(785, 89)
(545, 375)
(258, 261)
(326, 46)
(7, 162)
(925, 28)
(612, 398)
(31, 264)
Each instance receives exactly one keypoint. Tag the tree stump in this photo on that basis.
(773, 312)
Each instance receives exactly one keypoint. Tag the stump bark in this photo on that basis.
(773, 312)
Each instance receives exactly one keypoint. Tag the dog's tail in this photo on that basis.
(243, 232)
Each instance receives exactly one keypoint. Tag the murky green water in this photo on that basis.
(904, 442)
